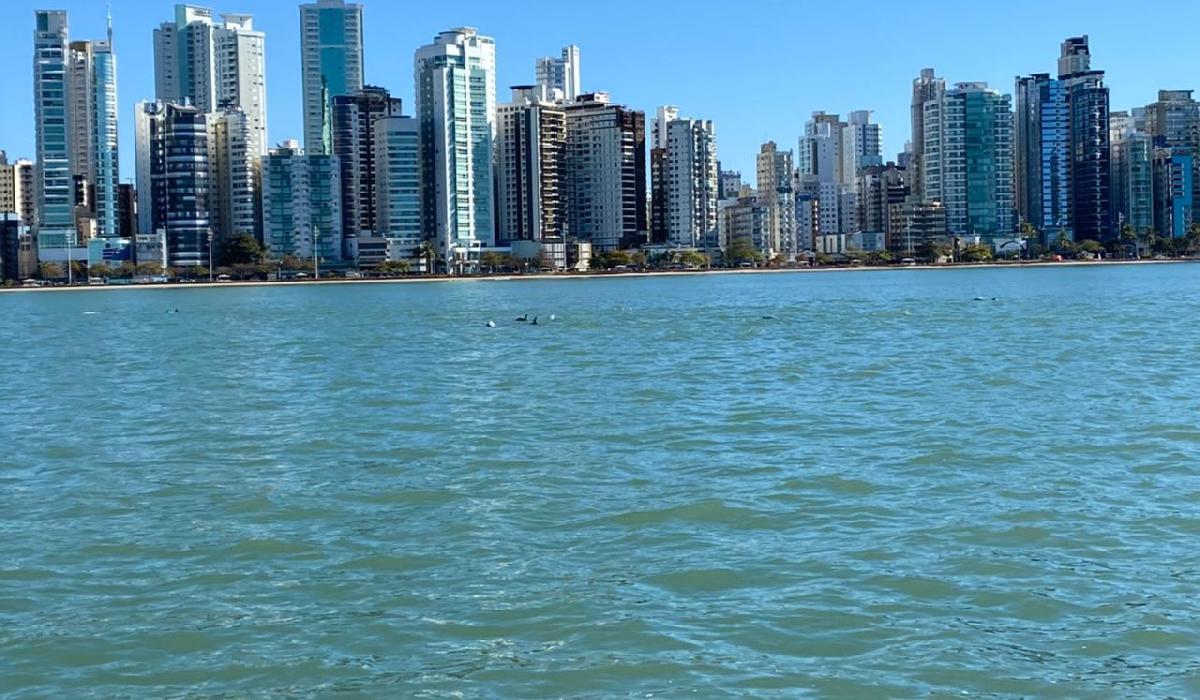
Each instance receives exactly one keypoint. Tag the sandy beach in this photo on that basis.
(591, 276)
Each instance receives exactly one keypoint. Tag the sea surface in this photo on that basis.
(827, 485)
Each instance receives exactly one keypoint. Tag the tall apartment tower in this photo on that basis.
(175, 188)
(242, 75)
(531, 146)
(398, 179)
(331, 59)
(213, 67)
(53, 179)
(1173, 122)
(235, 161)
(1088, 107)
(862, 145)
(691, 183)
(969, 161)
(776, 191)
(354, 119)
(606, 173)
(658, 172)
(1042, 155)
(92, 101)
(456, 107)
(301, 204)
(560, 78)
(185, 68)
(927, 87)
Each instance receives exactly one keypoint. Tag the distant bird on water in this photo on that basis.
(523, 319)
(534, 322)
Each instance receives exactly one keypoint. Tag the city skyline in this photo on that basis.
(868, 73)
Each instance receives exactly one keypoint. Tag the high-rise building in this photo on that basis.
(174, 180)
(185, 70)
(1173, 122)
(1091, 179)
(820, 153)
(1174, 207)
(926, 88)
(235, 176)
(658, 172)
(301, 204)
(456, 107)
(92, 85)
(1042, 155)
(241, 75)
(354, 119)
(748, 221)
(398, 179)
(691, 182)
(531, 146)
(862, 145)
(559, 78)
(214, 67)
(17, 191)
(55, 226)
(776, 192)
(606, 173)
(968, 159)
(880, 187)
(331, 59)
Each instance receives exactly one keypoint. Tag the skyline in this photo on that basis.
(833, 74)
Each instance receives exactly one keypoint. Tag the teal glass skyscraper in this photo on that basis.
(331, 63)
(54, 181)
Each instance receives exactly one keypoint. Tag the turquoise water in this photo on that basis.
(886, 489)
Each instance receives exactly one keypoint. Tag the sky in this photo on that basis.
(757, 70)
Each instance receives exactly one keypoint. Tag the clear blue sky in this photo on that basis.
(757, 68)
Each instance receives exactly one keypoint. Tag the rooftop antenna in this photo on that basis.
(110, 33)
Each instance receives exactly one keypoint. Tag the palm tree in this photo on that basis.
(428, 252)
(1028, 231)
(1193, 239)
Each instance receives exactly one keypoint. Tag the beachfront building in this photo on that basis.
(174, 169)
(302, 214)
(54, 181)
(689, 179)
(398, 183)
(354, 144)
(968, 164)
(456, 109)
(776, 192)
(531, 145)
(605, 184)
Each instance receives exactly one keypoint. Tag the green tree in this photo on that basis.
(50, 271)
(933, 251)
(197, 272)
(1090, 247)
(101, 270)
(293, 263)
(824, 259)
(149, 269)
(393, 268)
(977, 253)
(880, 257)
(79, 269)
(491, 260)
(742, 252)
(693, 258)
(242, 250)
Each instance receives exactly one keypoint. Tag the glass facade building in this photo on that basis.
(331, 59)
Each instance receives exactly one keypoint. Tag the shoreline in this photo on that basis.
(592, 275)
